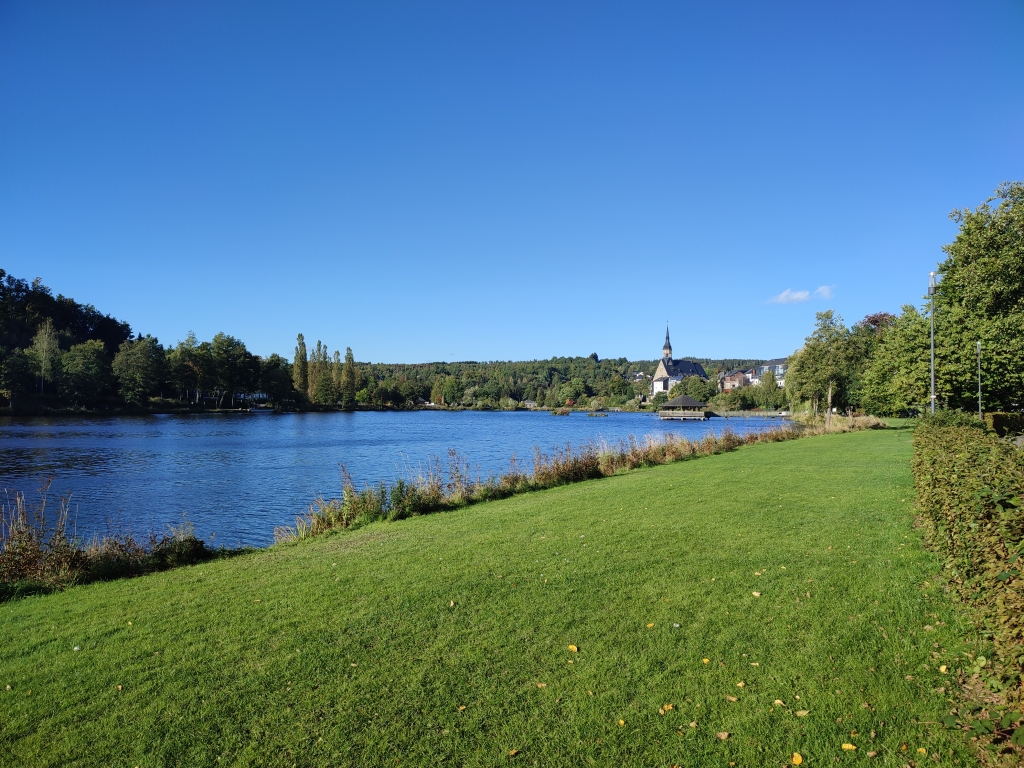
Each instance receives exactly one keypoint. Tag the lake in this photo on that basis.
(237, 476)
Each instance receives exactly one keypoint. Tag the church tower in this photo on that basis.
(666, 351)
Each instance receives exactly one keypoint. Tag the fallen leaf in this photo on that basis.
(849, 748)
(668, 707)
(723, 735)
(119, 687)
(693, 724)
(922, 751)
(928, 628)
(756, 594)
(462, 708)
(661, 711)
(942, 669)
(872, 753)
(778, 703)
(802, 713)
(622, 723)
(731, 698)
(513, 752)
(755, 664)
(650, 625)
(705, 660)
(574, 649)
(741, 684)
(542, 685)
(590, 692)
(797, 758)
(451, 603)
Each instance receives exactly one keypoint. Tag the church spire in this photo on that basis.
(666, 351)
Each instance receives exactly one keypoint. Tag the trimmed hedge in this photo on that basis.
(970, 486)
(1004, 424)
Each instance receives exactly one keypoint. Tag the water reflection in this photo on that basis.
(241, 475)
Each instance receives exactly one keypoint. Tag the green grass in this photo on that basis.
(344, 650)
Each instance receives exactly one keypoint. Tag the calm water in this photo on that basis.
(240, 475)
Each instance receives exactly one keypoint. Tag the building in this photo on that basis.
(778, 366)
(734, 380)
(670, 372)
(684, 407)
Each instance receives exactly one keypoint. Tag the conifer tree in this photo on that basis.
(348, 381)
(300, 368)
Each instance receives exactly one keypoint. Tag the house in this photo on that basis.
(683, 407)
(531, 404)
(734, 380)
(778, 366)
(670, 372)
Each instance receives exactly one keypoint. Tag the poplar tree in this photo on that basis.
(46, 352)
(300, 367)
(348, 381)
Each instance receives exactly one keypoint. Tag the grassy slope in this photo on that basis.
(344, 650)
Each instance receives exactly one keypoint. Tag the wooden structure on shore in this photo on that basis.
(684, 407)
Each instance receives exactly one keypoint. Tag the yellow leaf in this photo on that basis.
(462, 707)
(650, 625)
(705, 660)
(513, 752)
(731, 698)
(756, 594)
(802, 713)
(542, 685)
(741, 684)
(661, 711)
(849, 748)
(922, 751)
(693, 724)
(622, 723)
(942, 669)
(574, 649)
(668, 707)
(778, 703)
(797, 758)
(451, 603)
(119, 687)
(723, 735)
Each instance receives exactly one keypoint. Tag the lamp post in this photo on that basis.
(979, 381)
(931, 293)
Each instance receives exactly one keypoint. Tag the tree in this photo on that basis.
(300, 367)
(138, 366)
(981, 298)
(695, 387)
(85, 374)
(16, 375)
(235, 368)
(348, 381)
(276, 379)
(45, 353)
(896, 379)
(767, 393)
(822, 368)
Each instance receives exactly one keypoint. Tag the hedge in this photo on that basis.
(1005, 423)
(970, 486)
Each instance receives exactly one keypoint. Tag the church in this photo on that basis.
(670, 372)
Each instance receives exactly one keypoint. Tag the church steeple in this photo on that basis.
(666, 351)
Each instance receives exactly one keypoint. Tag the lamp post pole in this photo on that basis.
(931, 293)
(979, 381)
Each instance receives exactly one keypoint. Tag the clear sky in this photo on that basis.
(449, 181)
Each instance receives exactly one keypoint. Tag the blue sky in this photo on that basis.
(446, 181)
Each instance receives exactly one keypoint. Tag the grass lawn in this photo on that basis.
(444, 640)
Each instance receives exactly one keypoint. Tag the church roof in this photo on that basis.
(683, 401)
(683, 368)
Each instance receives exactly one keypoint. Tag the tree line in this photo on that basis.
(881, 365)
(57, 353)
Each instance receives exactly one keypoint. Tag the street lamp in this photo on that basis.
(979, 381)
(931, 293)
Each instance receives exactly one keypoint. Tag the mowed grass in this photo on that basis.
(348, 650)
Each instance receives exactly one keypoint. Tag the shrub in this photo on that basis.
(969, 486)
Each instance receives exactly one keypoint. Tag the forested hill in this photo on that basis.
(56, 353)
(24, 307)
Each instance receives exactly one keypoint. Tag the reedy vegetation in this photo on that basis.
(449, 485)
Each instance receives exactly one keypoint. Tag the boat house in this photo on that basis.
(684, 407)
